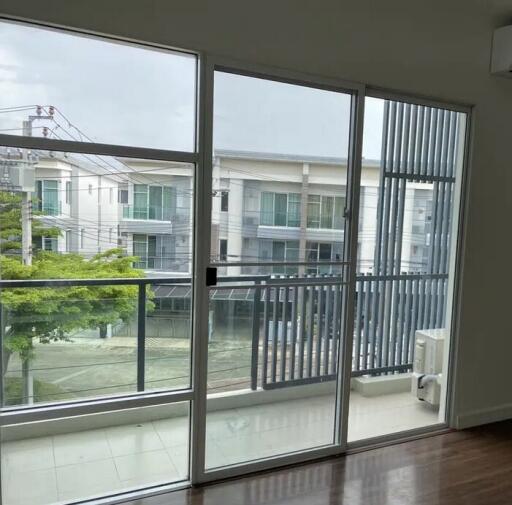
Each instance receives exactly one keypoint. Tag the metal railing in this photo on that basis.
(149, 212)
(388, 311)
(141, 283)
(297, 322)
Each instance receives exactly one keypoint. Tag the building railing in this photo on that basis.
(297, 321)
(388, 311)
(150, 212)
(47, 208)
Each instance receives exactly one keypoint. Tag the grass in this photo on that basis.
(43, 391)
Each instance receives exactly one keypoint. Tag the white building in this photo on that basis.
(265, 207)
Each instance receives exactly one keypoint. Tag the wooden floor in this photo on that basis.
(459, 468)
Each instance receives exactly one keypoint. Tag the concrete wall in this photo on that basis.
(435, 48)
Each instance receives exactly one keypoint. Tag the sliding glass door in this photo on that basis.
(411, 182)
(198, 282)
(278, 245)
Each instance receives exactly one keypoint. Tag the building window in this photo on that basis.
(111, 195)
(224, 201)
(326, 212)
(123, 196)
(90, 189)
(318, 252)
(153, 202)
(49, 244)
(47, 198)
(46, 244)
(154, 251)
(223, 249)
(280, 209)
(68, 192)
(280, 250)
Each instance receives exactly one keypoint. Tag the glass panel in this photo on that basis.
(324, 254)
(281, 206)
(267, 209)
(278, 148)
(408, 232)
(169, 203)
(92, 89)
(155, 202)
(140, 250)
(154, 258)
(313, 211)
(81, 342)
(294, 209)
(327, 212)
(140, 201)
(244, 422)
(339, 213)
(86, 457)
(50, 198)
(278, 254)
(292, 254)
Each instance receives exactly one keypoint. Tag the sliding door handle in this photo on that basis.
(211, 276)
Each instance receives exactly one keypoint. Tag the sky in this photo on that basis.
(128, 95)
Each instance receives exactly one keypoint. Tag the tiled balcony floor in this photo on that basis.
(60, 468)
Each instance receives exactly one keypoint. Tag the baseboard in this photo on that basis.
(483, 416)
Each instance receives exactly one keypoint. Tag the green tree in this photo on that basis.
(10, 224)
(52, 314)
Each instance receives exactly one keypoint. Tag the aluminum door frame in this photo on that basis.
(209, 65)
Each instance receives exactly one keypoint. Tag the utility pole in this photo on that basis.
(26, 196)
(26, 236)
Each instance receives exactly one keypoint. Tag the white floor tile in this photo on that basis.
(27, 455)
(74, 448)
(36, 487)
(180, 459)
(86, 480)
(146, 467)
(172, 431)
(133, 439)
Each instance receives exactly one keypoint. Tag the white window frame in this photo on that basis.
(35, 413)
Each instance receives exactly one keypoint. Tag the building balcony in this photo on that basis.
(149, 213)
(48, 209)
(152, 220)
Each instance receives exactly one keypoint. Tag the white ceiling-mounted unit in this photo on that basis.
(501, 58)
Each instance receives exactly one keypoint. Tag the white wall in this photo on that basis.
(439, 48)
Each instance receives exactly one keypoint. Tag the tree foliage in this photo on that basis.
(10, 224)
(53, 313)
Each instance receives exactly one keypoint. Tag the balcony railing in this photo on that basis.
(47, 208)
(296, 323)
(152, 213)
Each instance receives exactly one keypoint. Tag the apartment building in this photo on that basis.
(265, 207)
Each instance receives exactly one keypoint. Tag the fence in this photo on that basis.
(389, 310)
(297, 322)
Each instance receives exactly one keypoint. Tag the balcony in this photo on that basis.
(147, 220)
(48, 209)
(271, 373)
(148, 213)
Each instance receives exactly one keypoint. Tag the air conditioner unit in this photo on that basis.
(501, 58)
(428, 365)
